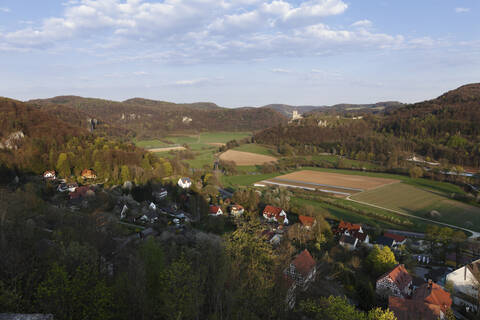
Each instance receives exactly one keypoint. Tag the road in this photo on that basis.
(475, 234)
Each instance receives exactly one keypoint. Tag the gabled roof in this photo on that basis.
(399, 275)
(237, 207)
(348, 226)
(474, 268)
(384, 241)
(304, 263)
(404, 309)
(214, 209)
(348, 239)
(272, 211)
(434, 294)
(394, 236)
(306, 221)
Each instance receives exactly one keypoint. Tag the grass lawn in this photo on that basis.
(256, 148)
(410, 199)
(222, 137)
(203, 157)
(149, 144)
(331, 211)
(246, 179)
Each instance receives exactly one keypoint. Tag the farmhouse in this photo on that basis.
(466, 285)
(405, 308)
(237, 210)
(215, 211)
(397, 283)
(184, 183)
(88, 174)
(350, 230)
(432, 293)
(300, 273)
(275, 214)
(49, 175)
(307, 222)
(348, 242)
(398, 240)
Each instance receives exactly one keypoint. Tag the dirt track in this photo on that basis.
(245, 158)
(336, 180)
(166, 149)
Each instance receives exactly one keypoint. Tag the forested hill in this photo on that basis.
(287, 110)
(33, 140)
(446, 128)
(149, 118)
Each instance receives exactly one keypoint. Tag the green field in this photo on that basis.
(256, 148)
(331, 211)
(419, 202)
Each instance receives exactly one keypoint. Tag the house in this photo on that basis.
(152, 206)
(237, 210)
(348, 242)
(398, 240)
(81, 192)
(384, 241)
(160, 194)
(432, 293)
(397, 283)
(64, 187)
(215, 211)
(466, 285)
(404, 309)
(352, 230)
(299, 274)
(49, 175)
(184, 183)
(88, 174)
(275, 214)
(123, 213)
(307, 222)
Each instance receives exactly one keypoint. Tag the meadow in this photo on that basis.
(420, 202)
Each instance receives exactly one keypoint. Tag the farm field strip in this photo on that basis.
(299, 186)
(317, 184)
(335, 180)
(166, 149)
(246, 158)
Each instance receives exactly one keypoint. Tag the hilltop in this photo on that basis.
(377, 107)
(150, 118)
(445, 128)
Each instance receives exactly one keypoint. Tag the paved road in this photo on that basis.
(475, 234)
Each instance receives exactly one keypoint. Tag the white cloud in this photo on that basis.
(191, 82)
(362, 23)
(189, 31)
(462, 10)
(140, 73)
(4, 9)
(280, 70)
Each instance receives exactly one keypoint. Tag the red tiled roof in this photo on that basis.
(304, 263)
(214, 209)
(271, 211)
(393, 236)
(434, 294)
(79, 192)
(399, 276)
(49, 171)
(306, 221)
(237, 207)
(87, 173)
(404, 309)
(342, 226)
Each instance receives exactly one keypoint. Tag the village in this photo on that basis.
(420, 274)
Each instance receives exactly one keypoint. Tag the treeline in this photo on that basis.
(445, 129)
(42, 142)
(151, 119)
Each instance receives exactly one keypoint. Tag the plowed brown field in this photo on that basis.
(245, 158)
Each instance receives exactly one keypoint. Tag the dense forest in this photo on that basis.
(150, 119)
(445, 129)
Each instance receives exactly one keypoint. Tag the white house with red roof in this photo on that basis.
(397, 283)
(49, 175)
(275, 214)
(398, 240)
(237, 210)
(184, 183)
(299, 274)
(307, 222)
(215, 211)
(351, 235)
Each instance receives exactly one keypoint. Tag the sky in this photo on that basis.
(239, 52)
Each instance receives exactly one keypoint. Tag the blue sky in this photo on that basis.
(239, 53)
